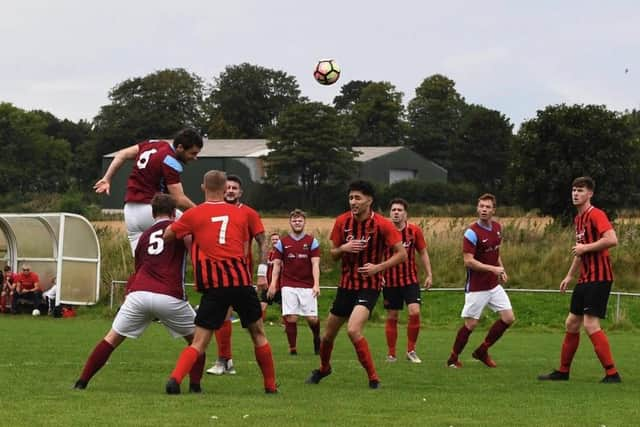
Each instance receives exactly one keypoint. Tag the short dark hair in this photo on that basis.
(188, 138)
(235, 178)
(162, 204)
(584, 181)
(275, 233)
(7, 268)
(364, 187)
(489, 196)
(399, 201)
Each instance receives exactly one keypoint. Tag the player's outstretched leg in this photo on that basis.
(185, 363)
(413, 329)
(462, 337)
(603, 351)
(569, 347)
(391, 334)
(96, 360)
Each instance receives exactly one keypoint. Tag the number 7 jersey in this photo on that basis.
(220, 237)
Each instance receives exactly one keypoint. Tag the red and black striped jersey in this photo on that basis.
(590, 226)
(379, 234)
(406, 273)
(219, 231)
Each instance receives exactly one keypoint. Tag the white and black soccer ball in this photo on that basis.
(327, 72)
(35, 312)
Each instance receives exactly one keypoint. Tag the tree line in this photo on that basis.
(314, 144)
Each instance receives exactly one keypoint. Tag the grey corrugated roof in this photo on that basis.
(258, 147)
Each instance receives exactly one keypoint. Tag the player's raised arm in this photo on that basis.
(177, 192)
(103, 185)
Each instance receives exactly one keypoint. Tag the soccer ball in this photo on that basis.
(35, 312)
(327, 72)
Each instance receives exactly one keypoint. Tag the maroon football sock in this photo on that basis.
(195, 375)
(603, 351)
(264, 357)
(391, 332)
(364, 356)
(96, 360)
(569, 347)
(326, 347)
(413, 329)
(291, 328)
(461, 340)
(185, 362)
(494, 334)
(315, 329)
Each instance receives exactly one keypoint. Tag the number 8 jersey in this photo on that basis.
(154, 168)
(220, 237)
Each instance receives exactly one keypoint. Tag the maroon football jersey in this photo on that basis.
(594, 266)
(296, 254)
(406, 273)
(160, 265)
(379, 234)
(154, 168)
(484, 244)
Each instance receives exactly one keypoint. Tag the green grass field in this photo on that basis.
(42, 357)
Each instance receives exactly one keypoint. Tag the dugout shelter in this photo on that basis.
(60, 246)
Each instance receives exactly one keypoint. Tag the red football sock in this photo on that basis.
(569, 348)
(184, 364)
(391, 331)
(461, 340)
(195, 375)
(603, 350)
(223, 339)
(3, 302)
(264, 357)
(413, 329)
(326, 348)
(96, 360)
(364, 356)
(291, 328)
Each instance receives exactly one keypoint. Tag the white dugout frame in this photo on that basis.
(62, 245)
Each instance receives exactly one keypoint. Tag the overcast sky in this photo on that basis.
(514, 56)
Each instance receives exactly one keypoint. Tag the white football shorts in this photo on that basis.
(299, 301)
(475, 302)
(138, 217)
(140, 308)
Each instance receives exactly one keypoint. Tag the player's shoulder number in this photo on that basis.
(156, 242)
(143, 159)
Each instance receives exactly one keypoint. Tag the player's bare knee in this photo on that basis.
(471, 323)
(355, 334)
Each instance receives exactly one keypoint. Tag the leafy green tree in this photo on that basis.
(155, 106)
(563, 142)
(311, 149)
(246, 100)
(349, 95)
(30, 160)
(434, 118)
(378, 114)
(480, 152)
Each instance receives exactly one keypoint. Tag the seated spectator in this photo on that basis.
(28, 288)
(50, 296)
(8, 287)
